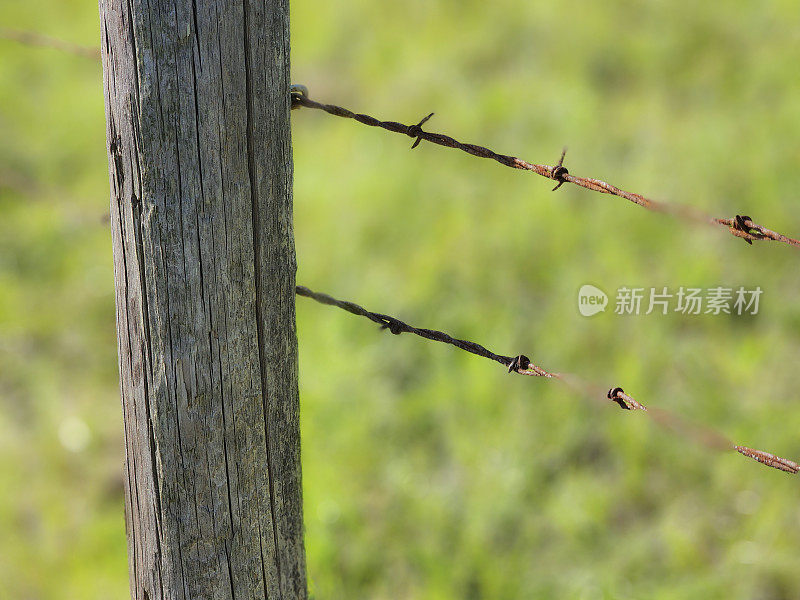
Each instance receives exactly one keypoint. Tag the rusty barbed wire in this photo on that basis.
(741, 226)
(522, 365)
(31, 38)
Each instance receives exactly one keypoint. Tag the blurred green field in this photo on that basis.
(429, 473)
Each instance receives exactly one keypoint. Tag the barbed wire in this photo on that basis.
(522, 365)
(741, 226)
(31, 38)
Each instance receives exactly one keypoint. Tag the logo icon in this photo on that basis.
(591, 300)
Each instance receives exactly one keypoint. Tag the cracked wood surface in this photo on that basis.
(197, 107)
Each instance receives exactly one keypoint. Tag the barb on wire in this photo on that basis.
(31, 38)
(740, 225)
(522, 365)
(625, 402)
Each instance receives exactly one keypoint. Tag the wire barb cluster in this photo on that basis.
(522, 365)
(740, 226)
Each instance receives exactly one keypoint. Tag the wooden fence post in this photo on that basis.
(200, 166)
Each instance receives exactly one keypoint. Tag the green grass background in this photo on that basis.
(430, 473)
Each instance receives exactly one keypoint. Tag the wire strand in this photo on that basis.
(741, 226)
(32, 38)
(522, 365)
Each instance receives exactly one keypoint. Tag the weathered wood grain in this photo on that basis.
(197, 106)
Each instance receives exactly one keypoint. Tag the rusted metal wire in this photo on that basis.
(740, 225)
(522, 365)
(31, 38)
(765, 458)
